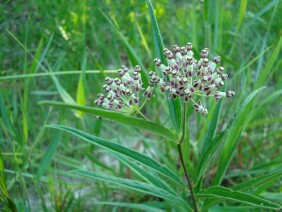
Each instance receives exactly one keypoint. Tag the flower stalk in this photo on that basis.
(180, 152)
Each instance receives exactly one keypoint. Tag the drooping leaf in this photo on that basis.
(115, 116)
(237, 196)
(138, 206)
(145, 174)
(249, 185)
(124, 151)
(137, 186)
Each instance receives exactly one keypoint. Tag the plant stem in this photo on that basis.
(179, 147)
(143, 116)
(190, 185)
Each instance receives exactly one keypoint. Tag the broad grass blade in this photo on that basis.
(80, 94)
(49, 155)
(242, 11)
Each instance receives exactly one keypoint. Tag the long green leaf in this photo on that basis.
(145, 174)
(266, 72)
(206, 159)
(49, 155)
(229, 148)
(124, 151)
(137, 186)
(213, 124)
(174, 105)
(241, 197)
(135, 60)
(257, 181)
(139, 206)
(8, 124)
(242, 11)
(115, 116)
(80, 94)
(249, 185)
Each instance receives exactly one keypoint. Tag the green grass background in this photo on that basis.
(83, 41)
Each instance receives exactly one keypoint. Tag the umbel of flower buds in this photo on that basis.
(184, 77)
(188, 78)
(122, 93)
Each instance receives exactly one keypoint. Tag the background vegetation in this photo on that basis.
(62, 50)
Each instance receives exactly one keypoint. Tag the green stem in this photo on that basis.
(143, 116)
(190, 185)
(183, 124)
(179, 147)
(143, 104)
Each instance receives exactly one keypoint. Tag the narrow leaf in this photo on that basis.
(137, 186)
(266, 72)
(135, 60)
(124, 151)
(242, 12)
(49, 155)
(8, 124)
(115, 116)
(249, 185)
(206, 159)
(174, 105)
(241, 197)
(80, 94)
(141, 207)
(145, 174)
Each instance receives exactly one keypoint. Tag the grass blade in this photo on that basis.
(121, 118)
(80, 94)
(49, 155)
(249, 185)
(135, 60)
(266, 72)
(242, 11)
(233, 138)
(241, 197)
(137, 186)
(8, 124)
(206, 159)
(141, 207)
(124, 151)
(145, 175)
(174, 105)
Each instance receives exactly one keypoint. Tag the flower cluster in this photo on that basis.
(183, 77)
(186, 77)
(123, 91)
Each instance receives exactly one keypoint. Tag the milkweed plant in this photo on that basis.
(184, 81)
(185, 78)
